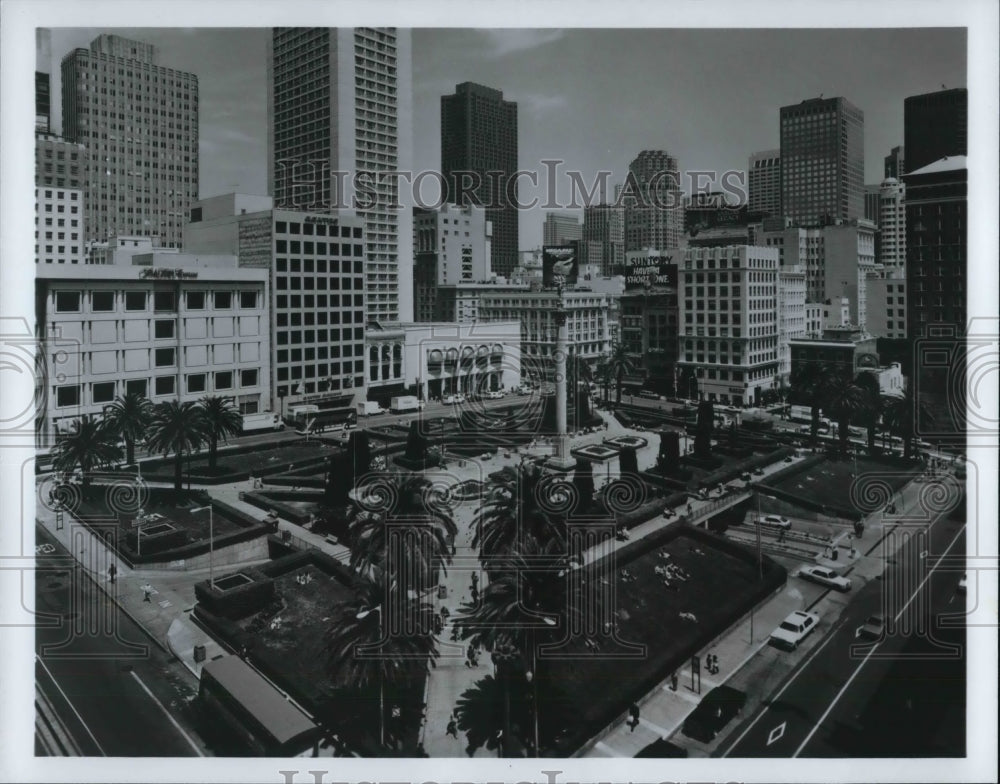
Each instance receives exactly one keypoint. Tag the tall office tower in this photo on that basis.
(935, 125)
(604, 238)
(43, 86)
(59, 200)
(764, 183)
(894, 163)
(478, 157)
(340, 115)
(892, 224)
(654, 218)
(872, 204)
(822, 161)
(561, 229)
(139, 122)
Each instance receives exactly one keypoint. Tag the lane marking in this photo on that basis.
(167, 713)
(777, 733)
(72, 707)
(654, 727)
(604, 748)
(864, 661)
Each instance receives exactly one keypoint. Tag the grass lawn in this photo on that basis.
(162, 502)
(260, 460)
(829, 483)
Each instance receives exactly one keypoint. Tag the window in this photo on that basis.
(196, 300)
(67, 302)
(165, 385)
(224, 379)
(196, 382)
(136, 387)
(163, 329)
(68, 395)
(135, 300)
(102, 301)
(223, 300)
(103, 392)
(248, 378)
(164, 301)
(248, 299)
(164, 357)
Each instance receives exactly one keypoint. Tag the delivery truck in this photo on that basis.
(403, 403)
(266, 420)
(801, 414)
(369, 408)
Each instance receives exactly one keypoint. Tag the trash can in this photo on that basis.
(199, 653)
(286, 535)
(442, 592)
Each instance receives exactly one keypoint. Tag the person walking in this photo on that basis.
(112, 574)
(633, 713)
(147, 591)
(452, 727)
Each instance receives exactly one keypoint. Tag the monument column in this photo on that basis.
(561, 460)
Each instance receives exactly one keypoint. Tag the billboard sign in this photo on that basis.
(560, 265)
(643, 272)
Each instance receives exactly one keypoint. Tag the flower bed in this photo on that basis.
(622, 442)
(595, 452)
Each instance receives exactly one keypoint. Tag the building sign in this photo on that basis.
(648, 271)
(255, 242)
(560, 265)
(162, 273)
(321, 219)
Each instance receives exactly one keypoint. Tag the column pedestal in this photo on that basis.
(561, 460)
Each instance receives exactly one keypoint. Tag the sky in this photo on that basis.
(593, 98)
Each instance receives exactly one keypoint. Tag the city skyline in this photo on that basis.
(884, 68)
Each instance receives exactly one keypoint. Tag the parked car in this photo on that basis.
(494, 395)
(873, 628)
(825, 576)
(713, 713)
(776, 522)
(794, 629)
(453, 399)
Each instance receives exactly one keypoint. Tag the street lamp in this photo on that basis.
(361, 615)
(211, 541)
(530, 677)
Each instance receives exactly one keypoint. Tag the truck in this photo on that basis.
(369, 408)
(801, 414)
(266, 420)
(404, 403)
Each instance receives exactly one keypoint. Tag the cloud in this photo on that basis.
(502, 42)
(537, 103)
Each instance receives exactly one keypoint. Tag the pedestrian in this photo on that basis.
(147, 591)
(475, 595)
(475, 580)
(112, 574)
(673, 681)
(633, 713)
(452, 727)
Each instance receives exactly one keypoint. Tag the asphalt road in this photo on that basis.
(104, 689)
(902, 696)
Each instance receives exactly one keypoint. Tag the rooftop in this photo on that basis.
(947, 163)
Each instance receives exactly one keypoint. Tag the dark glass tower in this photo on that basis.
(935, 125)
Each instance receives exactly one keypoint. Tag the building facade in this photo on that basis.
(603, 238)
(60, 199)
(846, 351)
(340, 117)
(892, 224)
(886, 312)
(848, 259)
(764, 183)
(729, 323)
(935, 125)
(478, 160)
(139, 123)
(791, 316)
(649, 331)
(822, 161)
(654, 217)
(167, 326)
(894, 164)
(316, 267)
(561, 229)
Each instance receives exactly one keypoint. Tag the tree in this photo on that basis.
(872, 410)
(703, 429)
(605, 376)
(900, 415)
(416, 443)
(90, 444)
(129, 418)
(361, 651)
(620, 364)
(177, 428)
(221, 419)
(810, 386)
(583, 481)
(843, 400)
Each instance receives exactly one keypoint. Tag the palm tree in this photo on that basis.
(129, 417)
(177, 428)
(621, 364)
(221, 419)
(810, 386)
(406, 535)
(843, 401)
(605, 376)
(900, 414)
(872, 409)
(361, 652)
(89, 445)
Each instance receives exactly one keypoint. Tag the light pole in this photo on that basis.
(211, 541)
(361, 615)
(530, 676)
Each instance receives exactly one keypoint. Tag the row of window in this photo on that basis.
(137, 301)
(319, 248)
(298, 337)
(194, 383)
(292, 227)
(297, 372)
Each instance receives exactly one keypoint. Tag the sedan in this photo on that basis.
(713, 713)
(872, 629)
(826, 577)
(794, 629)
(776, 522)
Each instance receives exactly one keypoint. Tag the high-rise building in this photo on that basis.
(59, 200)
(479, 159)
(340, 106)
(764, 183)
(892, 224)
(822, 161)
(894, 163)
(139, 122)
(561, 229)
(872, 203)
(885, 290)
(654, 216)
(43, 85)
(935, 125)
(848, 258)
(791, 316)
(603, 238)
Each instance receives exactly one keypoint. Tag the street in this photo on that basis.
(901, 696)
(99, 679)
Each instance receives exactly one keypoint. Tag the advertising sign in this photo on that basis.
(647, 271)
(560, 265)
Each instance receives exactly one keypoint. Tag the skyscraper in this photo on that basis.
(764, 183)
(822, 161)
(479, 136)
(43, 89)
(560, 229)
(654, 218)
(340, 106)
(894, 163)
(139, 122)
(892, 224)
(604, 238)
(935, 125)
